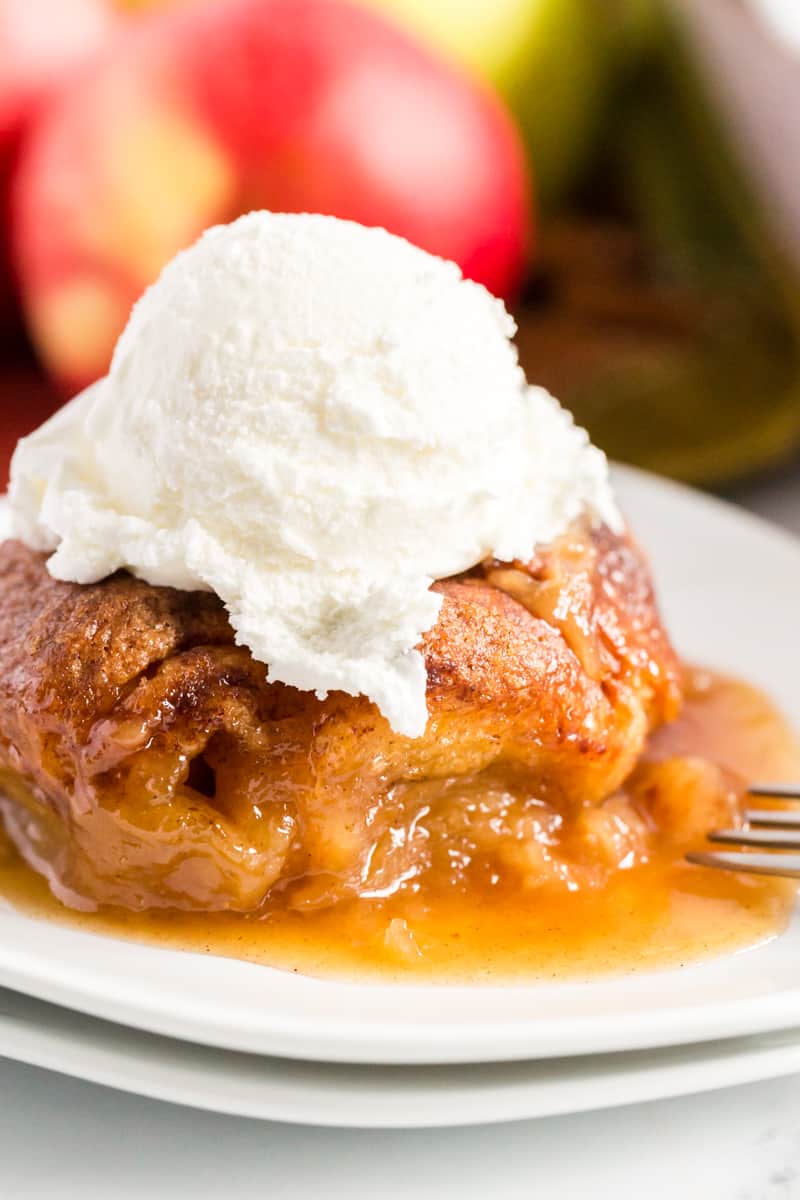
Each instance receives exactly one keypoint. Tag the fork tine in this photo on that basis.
(775, 791)
(753, 864)
(775, 818)
(767, 839)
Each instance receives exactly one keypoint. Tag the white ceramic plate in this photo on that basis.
(375, 1097)
(730, 587)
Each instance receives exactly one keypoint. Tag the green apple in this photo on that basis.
(552, 60)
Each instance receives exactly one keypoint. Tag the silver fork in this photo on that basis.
(767, 829)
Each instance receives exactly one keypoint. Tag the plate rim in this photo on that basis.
(379, 1097)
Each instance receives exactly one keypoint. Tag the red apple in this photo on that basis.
(201, 113)
(40, 40)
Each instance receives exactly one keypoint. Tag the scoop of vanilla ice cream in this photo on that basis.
(315, 420)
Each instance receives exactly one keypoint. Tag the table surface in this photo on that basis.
(67, 1139)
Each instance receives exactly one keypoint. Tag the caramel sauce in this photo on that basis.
(649, 909)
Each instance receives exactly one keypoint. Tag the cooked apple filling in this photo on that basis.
(146, 762)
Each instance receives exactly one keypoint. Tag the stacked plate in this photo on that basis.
(232, 1037)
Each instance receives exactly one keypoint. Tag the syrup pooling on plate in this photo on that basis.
(609, 891)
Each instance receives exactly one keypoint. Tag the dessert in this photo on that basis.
(156, 766)
(324, 630)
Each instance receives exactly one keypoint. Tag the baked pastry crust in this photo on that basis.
(146, 761)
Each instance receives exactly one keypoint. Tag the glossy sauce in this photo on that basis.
(650, 911)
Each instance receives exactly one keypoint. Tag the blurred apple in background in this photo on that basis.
(202, 112)
(39, 42)
(552, 60)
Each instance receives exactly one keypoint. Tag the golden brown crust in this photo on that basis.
(552, 670)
